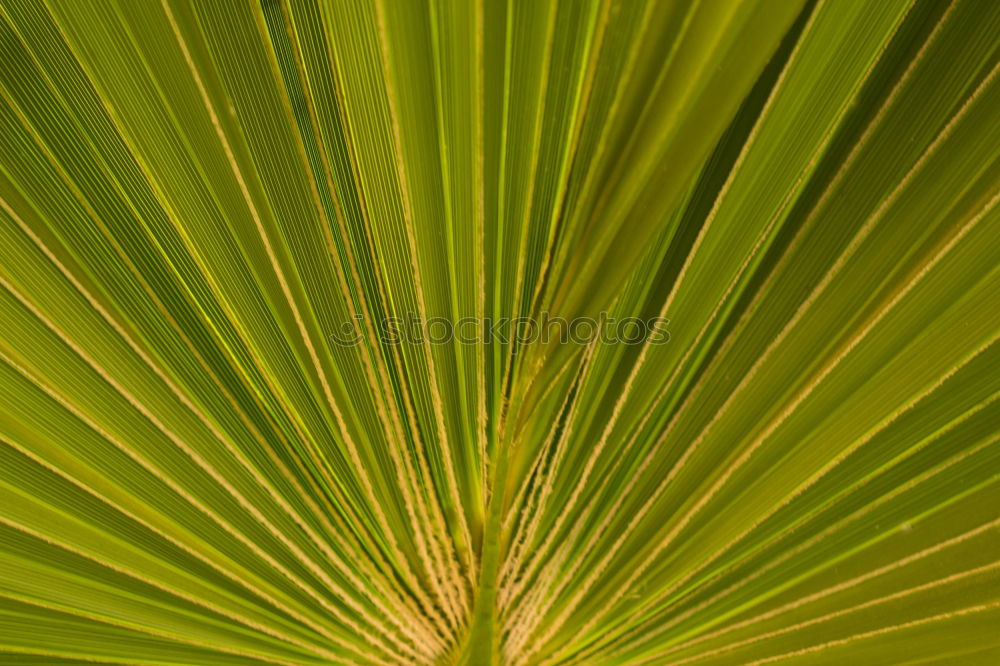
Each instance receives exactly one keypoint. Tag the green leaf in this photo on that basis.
(559, 332)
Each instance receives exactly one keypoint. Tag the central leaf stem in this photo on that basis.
(483, 643)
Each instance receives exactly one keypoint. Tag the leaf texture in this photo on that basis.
(276, 277)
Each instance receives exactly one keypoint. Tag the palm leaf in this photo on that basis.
(275, 276)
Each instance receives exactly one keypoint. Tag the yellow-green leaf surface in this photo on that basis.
(284, 286)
